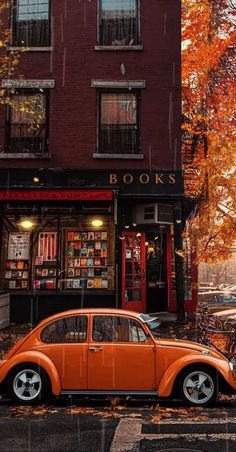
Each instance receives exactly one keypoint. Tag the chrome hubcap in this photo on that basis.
(27, 384)
(198, 387)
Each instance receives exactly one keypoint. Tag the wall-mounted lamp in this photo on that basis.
(126, 226)
(97, 222)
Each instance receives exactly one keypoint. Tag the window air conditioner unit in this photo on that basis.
(154, 213)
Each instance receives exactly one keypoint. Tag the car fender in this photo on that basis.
(168, 378)
(34, 357)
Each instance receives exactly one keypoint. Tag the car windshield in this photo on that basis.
(153, 323)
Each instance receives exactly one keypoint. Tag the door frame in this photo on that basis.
(138, 306)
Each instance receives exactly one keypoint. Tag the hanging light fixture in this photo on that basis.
(97, 222)
(26, 224)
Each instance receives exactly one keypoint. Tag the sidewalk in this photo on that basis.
(169, 328)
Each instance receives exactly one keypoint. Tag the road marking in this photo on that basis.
(128, 433)
(192, 436)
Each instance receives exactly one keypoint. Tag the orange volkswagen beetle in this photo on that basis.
(102, 351)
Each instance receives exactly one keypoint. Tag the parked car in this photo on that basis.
(218, 300)
(102, 351)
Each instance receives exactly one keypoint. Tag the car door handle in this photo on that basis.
(95, 349)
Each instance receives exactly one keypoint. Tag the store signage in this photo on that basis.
(138, 182)
(88, 184)
(56, 195)
(144, 178)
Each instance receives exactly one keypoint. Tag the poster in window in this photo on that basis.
(12, 284)
(90, 271)
(50, 284)
(18, 245)
(71, 272)
(36, 284)
(47, 246)
(70, 284)
(39, 260)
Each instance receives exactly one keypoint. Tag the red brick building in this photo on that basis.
(105, 75)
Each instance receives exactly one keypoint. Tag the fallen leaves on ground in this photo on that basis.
(164, 413)
(228, 397)
(24, 410)
(9, 336)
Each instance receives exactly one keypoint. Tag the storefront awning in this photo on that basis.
(56, 195)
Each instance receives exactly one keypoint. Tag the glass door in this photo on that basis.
(133, 271)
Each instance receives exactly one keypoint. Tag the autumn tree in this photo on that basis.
(9, 68)
(209, 151)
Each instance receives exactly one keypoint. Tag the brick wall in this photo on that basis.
(74, 62)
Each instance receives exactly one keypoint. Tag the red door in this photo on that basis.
(133, 271)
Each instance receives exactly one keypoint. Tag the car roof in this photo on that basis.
(77, 311)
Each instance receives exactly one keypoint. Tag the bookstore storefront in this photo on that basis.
(53, 253)
(91, 239)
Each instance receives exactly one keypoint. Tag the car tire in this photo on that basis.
(198, 386)
(28, 384)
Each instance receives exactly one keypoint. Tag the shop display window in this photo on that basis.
(87, 264)
(55, 254)
(45, 261)
(16, 262)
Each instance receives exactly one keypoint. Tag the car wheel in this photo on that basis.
(198, 386)
(28, 384)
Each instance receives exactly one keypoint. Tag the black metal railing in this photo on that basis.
(31, 33)
(24, 140)
(123, 32)
(119, 139)
(32, 145)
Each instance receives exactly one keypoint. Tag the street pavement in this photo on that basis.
(115, 425)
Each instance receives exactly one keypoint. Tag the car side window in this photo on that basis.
(117, 329)
(68, 329)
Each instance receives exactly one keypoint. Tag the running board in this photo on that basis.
(85, 392)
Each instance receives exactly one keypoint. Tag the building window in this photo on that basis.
(27, 123)
(119, 132)
(118, 23)
(31, 23)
